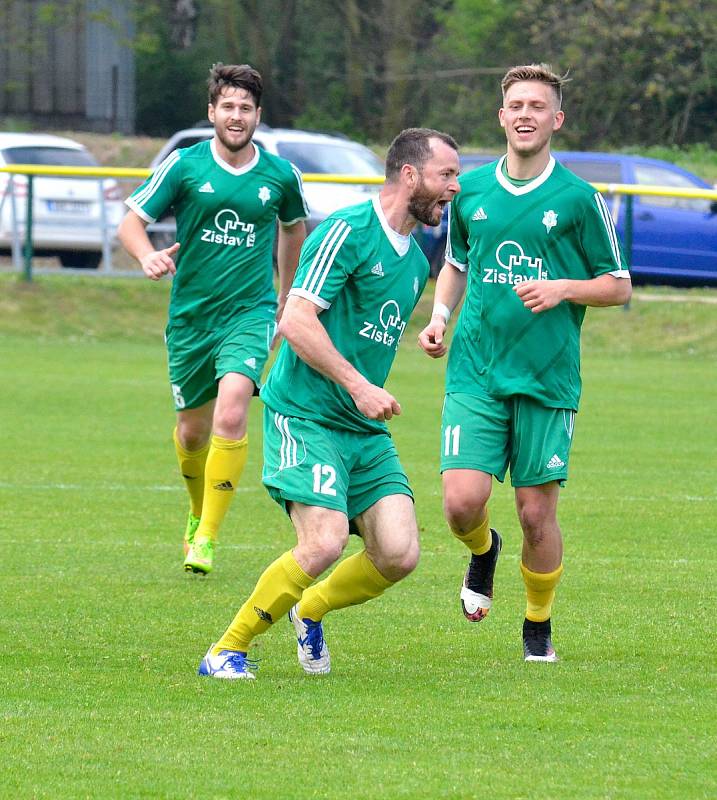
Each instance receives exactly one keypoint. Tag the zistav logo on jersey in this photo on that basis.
(230, 230)
(515, 266)
(389, 328)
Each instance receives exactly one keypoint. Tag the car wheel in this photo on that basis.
(81, 259)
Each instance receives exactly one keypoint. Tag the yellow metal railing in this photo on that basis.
(629, 190)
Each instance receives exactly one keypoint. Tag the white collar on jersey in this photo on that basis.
(399, 242)
(528, 187)
(228, 167)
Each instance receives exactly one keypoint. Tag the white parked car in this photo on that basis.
(67, 212)
(309, 152)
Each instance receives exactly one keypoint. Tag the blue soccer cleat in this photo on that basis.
(227, 664)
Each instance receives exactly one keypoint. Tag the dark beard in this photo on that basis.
(421, 205)
(234, 148)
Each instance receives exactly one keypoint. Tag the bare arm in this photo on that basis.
(133, 236)
(450, 286)
(301, 328)
(291, 238)
(605, 290)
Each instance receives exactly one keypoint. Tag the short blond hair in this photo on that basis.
(543, 73)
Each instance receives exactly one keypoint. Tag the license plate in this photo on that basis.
(76, 207)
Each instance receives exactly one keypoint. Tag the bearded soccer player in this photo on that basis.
(535, 245)
(329, 460)
(227, 195)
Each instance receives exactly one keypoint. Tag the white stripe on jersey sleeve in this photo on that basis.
(157, 178)
(332, 258)
(609, 227)
(300, 184)
(129, 202)
(449, 251)
(325, 255)
(315, 299)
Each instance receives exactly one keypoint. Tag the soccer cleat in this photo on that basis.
(191, 529)
(227, 664)
(477, 589)
(537, 645)
(311, 649)
(200, 557)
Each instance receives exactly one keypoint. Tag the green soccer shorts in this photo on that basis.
(198, 359)
(309, 463)
(493, 435)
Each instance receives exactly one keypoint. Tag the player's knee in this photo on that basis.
(463, 513)
(398, 568)
(399, 561)
(328, 545)
(230, 422)
(537, 525)
(193, 434)
(409, 561)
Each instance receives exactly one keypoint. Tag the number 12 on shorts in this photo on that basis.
(324, 479)
(452, 440)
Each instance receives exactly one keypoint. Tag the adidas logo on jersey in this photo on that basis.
(377, 269)
(555, 463)
(479, 215)
(251, 362)
(207, 187)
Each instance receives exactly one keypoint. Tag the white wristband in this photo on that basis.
(442, 310)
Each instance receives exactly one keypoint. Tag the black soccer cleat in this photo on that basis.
(477, 589)
(537, 645)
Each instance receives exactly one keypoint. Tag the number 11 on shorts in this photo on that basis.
(452, 437)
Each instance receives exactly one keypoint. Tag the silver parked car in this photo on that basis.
(68, 213)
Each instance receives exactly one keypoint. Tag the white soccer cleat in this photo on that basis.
(311, 649)
(227, 664)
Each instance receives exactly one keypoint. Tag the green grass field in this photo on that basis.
(102, 632)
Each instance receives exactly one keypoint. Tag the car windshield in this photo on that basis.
(336, 159)
(49, 156)
(598, 171)
(649, 174)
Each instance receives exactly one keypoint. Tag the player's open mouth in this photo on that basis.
(525, 129)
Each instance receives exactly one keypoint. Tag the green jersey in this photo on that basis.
(367, 278)
(554, 226)
(226, 222)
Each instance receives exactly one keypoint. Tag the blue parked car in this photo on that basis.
(674, 239)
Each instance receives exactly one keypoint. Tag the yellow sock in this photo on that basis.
(355, 580)
(276, 591)
(479, 540)
(191, 465)
(540, 591)
(225, 464)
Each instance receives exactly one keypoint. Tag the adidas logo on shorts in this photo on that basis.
(555, 463)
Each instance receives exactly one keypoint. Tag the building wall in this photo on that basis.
(68, 64)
